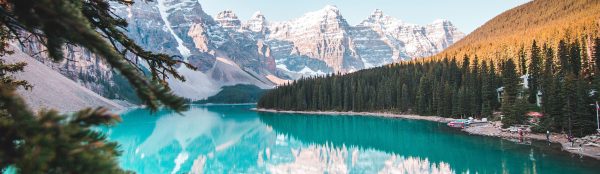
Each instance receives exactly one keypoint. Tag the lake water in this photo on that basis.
(234, 139)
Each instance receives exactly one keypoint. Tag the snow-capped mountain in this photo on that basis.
(323, 35)
(228, 51)
(257, 23)
(224, 55)
(323, 41)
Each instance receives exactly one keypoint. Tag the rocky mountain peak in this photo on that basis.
(256, 23)
(379, 19)
(377, 14)
(331, 8)
(443, 33)
(258, 16)
(228, 19)
(327, 17)
(326, 12)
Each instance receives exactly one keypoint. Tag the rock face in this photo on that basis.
(322, 35)
(257, 24)
(84, 68)
(227, 19)
(52, 90)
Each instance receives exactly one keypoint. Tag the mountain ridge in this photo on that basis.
(349, 47)
(542, 20)
(182, 28)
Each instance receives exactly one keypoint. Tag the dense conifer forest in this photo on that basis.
(563, 73)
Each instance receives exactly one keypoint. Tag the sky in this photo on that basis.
(467, 15)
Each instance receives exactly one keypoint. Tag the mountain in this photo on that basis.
(406, 41)
(323, 42)
(257, 52)
(223, 55)
(228, 51)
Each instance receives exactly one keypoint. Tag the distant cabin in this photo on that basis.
(525, 85)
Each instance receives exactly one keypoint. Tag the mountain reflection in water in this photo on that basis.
(233, 139)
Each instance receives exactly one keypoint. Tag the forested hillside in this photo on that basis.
(562, 66)
(547, 21)
(235, 94)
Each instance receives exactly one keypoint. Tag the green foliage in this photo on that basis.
(431, 88)
(7, 69)
(48, 142)
(92, 25)
(522, 60)
(488, 91)
(535, 72)
(510, 109)
(235, 94)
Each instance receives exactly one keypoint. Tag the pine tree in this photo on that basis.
(447, 101)
(522, 60)
(575, 59)
(569, 110)
(466, 87)
(586, 67)
(405, 98)
(596, 68)
(422, 96)
(457, 107)
(511, 91)
(535, 72)
(564, 59)
(494, 86)
(596, 56)
(583, 122)
(520, 108)
(550, 93)
(487, 92)
(475, 88)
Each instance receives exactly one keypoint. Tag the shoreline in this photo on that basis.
(373, 114)
(489, 129)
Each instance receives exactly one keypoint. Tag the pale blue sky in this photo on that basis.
(467, 15)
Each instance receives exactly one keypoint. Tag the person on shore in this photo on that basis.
(570, 139)
(520, 131)
(548, 136)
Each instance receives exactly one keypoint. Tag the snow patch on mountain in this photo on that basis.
(163, 9)
(311, 72)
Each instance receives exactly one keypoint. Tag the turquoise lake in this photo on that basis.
(234, 139)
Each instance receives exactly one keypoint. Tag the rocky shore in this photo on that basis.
(486, 129)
